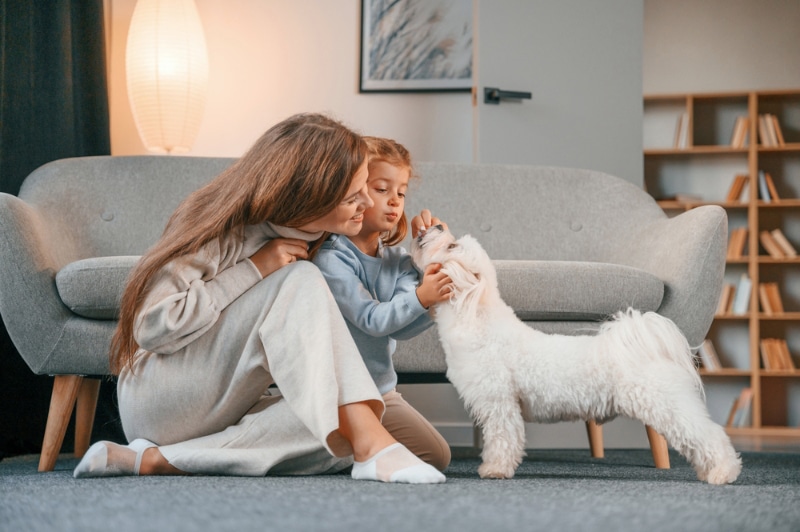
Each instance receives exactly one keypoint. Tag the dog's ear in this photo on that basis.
(468, 287)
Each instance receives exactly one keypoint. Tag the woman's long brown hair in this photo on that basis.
(391, 152)
(298, 171)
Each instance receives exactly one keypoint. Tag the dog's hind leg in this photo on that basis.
(669, 401)
(503, 429)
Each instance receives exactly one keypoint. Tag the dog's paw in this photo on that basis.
(724, 473)
(487, 470)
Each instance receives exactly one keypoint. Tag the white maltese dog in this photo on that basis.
(638, 365)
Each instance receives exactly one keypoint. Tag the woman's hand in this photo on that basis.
(277, 253)
(435, 286)
(424, 220)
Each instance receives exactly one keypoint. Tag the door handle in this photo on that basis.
(493, 95)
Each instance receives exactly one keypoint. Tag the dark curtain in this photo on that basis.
(53, 104)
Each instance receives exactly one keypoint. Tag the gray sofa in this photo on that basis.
(572, 246)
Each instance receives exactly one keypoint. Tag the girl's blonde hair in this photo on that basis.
(391, 152)
(297, 172)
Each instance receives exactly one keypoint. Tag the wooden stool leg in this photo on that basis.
(84, 414)
(658, 446)
(595, 433)
(65, 391)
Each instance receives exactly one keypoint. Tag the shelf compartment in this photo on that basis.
(784, 168)
(786, 330)
(780, 401)
(708, 179)
(731, 339)
(788, 222)
(715, 117)
(661, 116)
(785, 105)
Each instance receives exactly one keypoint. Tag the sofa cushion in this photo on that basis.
(575, 291)
(92, 287)
(536, 290)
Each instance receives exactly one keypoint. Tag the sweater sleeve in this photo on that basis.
(357, 304)
(407, 281)
(188, 295)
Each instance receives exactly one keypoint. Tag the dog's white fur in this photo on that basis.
(638, 365)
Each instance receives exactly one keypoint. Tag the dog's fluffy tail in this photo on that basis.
(650, 335)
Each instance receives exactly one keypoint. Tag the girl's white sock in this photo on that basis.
(397, 464)
(108, 459)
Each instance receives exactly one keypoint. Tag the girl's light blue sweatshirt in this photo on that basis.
(377, 297)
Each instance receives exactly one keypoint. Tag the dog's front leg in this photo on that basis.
(503, 437)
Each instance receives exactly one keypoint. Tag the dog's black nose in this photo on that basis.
(423, 231)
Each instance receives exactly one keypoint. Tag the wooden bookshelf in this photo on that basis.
(686, 169)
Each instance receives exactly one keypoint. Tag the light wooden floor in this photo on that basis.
(777, 444)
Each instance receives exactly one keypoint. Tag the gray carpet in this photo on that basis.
(553, 490)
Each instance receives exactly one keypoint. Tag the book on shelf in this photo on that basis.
(708, 356)
(763, 300)
(763, 132)
(770, 245)
(736, 242)
(741, 297)
(770, 298)
(785, 356)
(778, 132)
(738, 189)
(739, 415)
(773, 192)
(763, 190)
(786, 247)
(775, 355)
(768, 354)
(769, 130)
(740, 130)
(682, 132)
(725, 299)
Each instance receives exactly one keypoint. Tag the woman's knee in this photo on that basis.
(304, 274)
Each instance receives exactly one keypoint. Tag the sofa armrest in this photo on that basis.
(31, 254)
(687, 253)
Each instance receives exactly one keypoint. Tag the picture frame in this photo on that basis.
(416, 46)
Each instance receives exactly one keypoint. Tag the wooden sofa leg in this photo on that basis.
(65, 391)
(658, 446)
(84, 414)
(595, 433)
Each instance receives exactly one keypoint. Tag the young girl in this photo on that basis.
(225, 304)
(379, 292)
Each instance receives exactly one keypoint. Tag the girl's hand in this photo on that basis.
(435, 286)
(277, 253)
(424, 220)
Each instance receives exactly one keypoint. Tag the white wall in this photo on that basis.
(272, 58)
(720, 45)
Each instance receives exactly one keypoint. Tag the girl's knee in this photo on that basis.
(441, 459)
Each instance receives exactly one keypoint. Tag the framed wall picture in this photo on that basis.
(416, 45)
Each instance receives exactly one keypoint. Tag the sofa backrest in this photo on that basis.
(533, 212)
(120, 204)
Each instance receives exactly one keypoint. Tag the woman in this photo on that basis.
(225, 305)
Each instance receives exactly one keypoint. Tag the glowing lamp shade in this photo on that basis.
(166, 64)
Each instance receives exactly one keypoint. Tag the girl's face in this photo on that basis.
(387, 187)
(347, 217)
